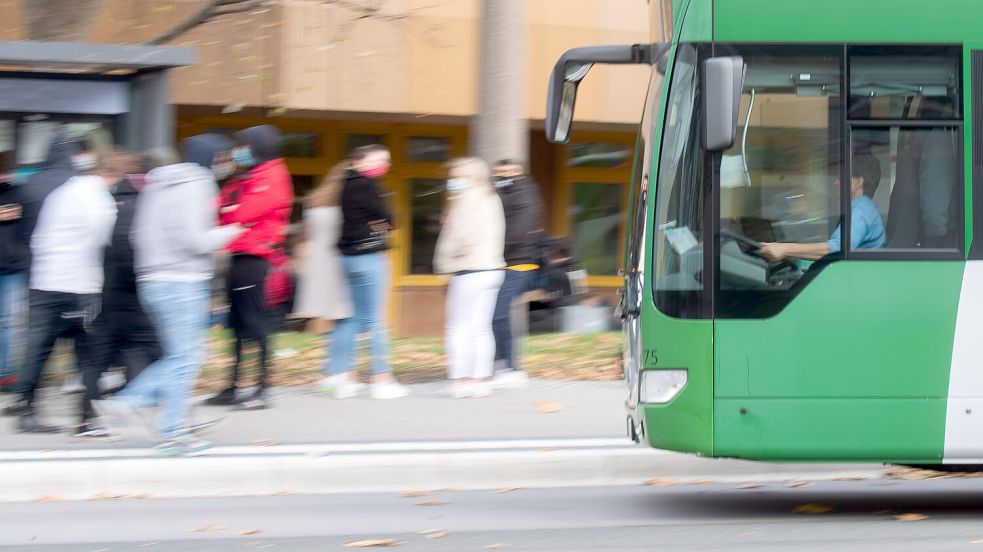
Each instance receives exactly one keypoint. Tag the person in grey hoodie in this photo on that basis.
(174, 235)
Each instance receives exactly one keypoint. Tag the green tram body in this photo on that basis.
(869, 354)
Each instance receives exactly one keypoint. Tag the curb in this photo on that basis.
(299, 469)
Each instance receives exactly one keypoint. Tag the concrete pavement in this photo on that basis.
(550, 434)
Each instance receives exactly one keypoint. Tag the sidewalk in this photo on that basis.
(302, 416)
(550, 434)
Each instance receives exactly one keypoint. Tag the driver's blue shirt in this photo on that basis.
(866, 227)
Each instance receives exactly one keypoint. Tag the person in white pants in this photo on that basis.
(470, 249)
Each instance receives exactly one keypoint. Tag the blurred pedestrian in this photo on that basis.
(73, 229)
(523, 213)
(366, 222)
(14, 258)
(125, 334)
(470, 249)
(261, 200)
(322, 289)
(174, 236)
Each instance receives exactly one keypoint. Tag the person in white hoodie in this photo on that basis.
(74, 227)
(470, 249)
(174, 236)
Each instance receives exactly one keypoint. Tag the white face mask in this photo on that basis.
(457, 184)
(84, 162)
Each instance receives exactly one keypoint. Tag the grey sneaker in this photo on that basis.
(183, 445)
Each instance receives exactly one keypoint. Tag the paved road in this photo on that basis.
(700, 517)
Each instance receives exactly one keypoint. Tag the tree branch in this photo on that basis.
(208, 12)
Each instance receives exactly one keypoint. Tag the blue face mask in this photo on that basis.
(457, 184)
(243, 157)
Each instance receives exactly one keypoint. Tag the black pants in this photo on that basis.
(53, 315)
(124, 336)
(248, 315)
(516, 283)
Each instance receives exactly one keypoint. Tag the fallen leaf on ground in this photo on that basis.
(372, 542)
(507, 490)
(910, 517)
(248, 532)
(549, 407)
(415, 494)
(813, 509)
(794, 484)
(750, 486)
(661, 482)
(431, 503)
(208, 529)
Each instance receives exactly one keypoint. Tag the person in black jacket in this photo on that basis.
(363, 244)
(523, 214)
(125, 335)
(57, 168)
(14, 257)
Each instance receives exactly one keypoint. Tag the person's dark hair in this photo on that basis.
(362, 152)
(867, 167)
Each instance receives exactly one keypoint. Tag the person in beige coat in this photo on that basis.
(470, 249)
(322, 287)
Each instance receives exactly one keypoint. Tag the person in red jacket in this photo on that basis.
(260, 199)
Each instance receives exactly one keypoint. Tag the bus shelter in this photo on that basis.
(48, 87)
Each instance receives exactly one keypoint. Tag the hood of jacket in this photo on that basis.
(58, 166)
(201, 149)
(174, 175)
(264, 142)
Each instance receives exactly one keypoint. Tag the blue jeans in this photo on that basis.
(179, 311)
(367, 280)
(516, 283)
(13, 310)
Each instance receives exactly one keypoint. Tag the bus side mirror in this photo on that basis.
(723, 80)
(573, 66)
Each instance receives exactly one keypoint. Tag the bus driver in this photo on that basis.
(867, 229)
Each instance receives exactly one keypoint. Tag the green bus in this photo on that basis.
(804, 261)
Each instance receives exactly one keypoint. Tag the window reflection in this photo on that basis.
(905, 83)
(596, 217)
(428, 149)
(599, 154)
(426, 208)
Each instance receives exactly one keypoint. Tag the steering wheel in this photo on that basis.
(773, 266)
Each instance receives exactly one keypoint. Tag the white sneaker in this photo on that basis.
(123, 419)
(514, 379)
(340, 386)
(459, 390)
(481, 389)
(72, 384)
(111, 380)
(388, 390)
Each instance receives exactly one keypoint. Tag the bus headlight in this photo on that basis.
(662, 386)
